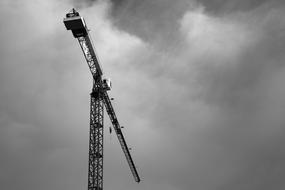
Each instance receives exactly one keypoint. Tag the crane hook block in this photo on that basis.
(75, 23)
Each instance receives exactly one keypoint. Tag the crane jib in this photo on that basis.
(116, 125)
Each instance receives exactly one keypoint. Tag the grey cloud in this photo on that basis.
(151, 20)
(197, 121)
(249, 97)
(34, 95)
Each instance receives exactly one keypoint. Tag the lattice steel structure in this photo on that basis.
(95, 169)
(99, 99)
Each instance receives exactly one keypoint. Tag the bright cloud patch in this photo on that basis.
(213, 35)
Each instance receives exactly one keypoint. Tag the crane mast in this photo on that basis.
(99, 99)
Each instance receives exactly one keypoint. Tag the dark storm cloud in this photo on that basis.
(151, 20)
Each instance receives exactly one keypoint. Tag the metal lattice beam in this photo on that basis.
(95, 172)
(117, 127)
(90, 56)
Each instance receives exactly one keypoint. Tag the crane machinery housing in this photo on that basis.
(99, 100)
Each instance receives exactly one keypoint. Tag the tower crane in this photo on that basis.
(99, 100)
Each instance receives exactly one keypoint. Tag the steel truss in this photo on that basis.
(95, 172)
(90, 56)
(117, 127)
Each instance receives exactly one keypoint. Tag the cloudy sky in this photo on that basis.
(198, 85)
